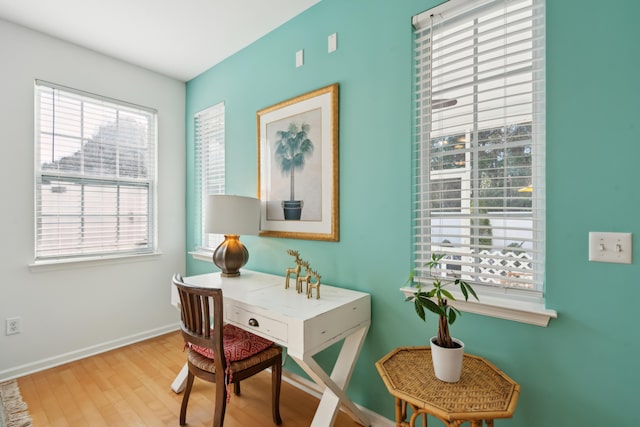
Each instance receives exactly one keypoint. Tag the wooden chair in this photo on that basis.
(222, 354)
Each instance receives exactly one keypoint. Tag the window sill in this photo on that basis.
(89, 261)
(533, 313)
(202, 254)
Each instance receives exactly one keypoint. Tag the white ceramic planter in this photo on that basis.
(447, 362)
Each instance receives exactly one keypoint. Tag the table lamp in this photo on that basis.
(231, 216)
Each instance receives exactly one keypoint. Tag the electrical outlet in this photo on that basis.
(332, 42)
(299, 58)
(13, 325)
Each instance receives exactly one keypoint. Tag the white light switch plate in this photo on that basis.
(610, 247)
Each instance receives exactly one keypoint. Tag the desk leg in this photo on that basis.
(335, 385)
(181, 380)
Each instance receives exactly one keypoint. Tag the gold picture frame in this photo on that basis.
(298, 166)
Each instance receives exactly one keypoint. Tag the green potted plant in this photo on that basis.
(447, 352)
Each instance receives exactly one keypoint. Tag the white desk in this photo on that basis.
(304, 326)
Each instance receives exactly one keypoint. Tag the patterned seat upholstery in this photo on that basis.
(207, 364)
(238, 344)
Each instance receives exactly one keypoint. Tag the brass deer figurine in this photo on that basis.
(295, 270)
(312, 274)
(301, 278)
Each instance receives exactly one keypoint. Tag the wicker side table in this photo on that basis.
(483, 392)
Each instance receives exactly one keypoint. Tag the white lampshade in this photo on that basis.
(227, 214)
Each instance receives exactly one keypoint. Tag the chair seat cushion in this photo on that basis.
(207, 364)
(238, 344)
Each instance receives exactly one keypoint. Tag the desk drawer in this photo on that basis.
(262, 325)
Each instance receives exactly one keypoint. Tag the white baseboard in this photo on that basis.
(41, 365)
(313, 389)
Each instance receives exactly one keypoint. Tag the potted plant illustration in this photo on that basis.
(292, 147)
(447, 352)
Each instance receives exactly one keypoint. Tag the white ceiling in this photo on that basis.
(178, 38)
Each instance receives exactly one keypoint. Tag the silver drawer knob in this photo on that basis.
(253, 322)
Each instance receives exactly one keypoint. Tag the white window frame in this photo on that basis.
(209, 135)
(498, 300)
(96, 234)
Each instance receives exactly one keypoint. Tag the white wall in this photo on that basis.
(73, 310)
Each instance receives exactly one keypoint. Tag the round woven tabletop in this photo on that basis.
(483, 392)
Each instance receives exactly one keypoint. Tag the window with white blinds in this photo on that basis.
(95, 175)
(480, 143)
(210, 161)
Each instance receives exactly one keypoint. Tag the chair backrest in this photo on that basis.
(201, 318)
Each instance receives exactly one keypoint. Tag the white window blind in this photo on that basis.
(210, 161)
(95, 175)
(480, 143)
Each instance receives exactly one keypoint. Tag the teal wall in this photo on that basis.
(583, 368)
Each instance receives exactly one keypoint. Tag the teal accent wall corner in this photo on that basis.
(581, 369)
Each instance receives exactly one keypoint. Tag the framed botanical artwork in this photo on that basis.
(298, 166)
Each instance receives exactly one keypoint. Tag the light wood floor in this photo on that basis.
(130, 387)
